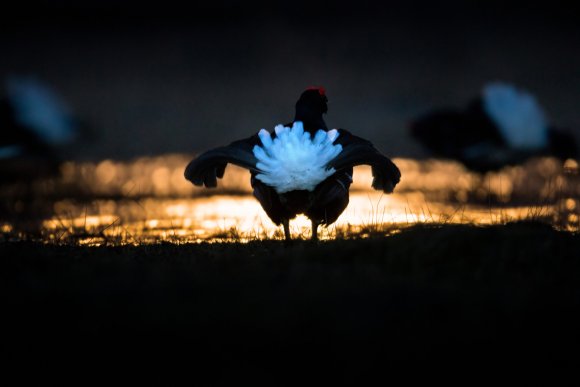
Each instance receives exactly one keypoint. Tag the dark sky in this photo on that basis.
(156, 77)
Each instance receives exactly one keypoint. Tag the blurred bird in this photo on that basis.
(502, 126)
(301, 167)
(34, 121)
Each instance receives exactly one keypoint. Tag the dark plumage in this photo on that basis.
(35, 122)
(323, 204)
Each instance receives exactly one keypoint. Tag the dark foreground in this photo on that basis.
(429, 301)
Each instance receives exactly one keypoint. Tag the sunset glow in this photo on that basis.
(148, 201)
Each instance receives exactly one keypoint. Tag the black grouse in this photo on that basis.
(301, 167)
(502, 126)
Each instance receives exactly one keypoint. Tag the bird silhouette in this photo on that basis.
(301, 167)
(502, 126)
(35, 122)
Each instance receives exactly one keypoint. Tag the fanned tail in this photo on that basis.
(295, 159)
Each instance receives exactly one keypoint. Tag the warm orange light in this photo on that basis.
(148, 200)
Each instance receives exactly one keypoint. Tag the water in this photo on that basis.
(147, 200)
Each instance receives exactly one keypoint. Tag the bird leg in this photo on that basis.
(314, 230)
(286, 224)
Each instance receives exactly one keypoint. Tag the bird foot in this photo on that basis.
(314, 236)
(287, 235)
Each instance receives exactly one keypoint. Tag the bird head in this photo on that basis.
(312, 104)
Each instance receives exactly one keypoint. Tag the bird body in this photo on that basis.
(299, 168)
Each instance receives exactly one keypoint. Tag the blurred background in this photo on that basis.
(150, 78)
(143, 86)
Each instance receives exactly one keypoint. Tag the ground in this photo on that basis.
(441, 298)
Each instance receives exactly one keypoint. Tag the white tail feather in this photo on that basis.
(517, 114)
(294, 161)
(40, 109)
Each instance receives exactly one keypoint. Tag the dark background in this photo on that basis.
(157, 77)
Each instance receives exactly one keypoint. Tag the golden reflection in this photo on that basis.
(147, 200)
(105, 172)
(241, 218)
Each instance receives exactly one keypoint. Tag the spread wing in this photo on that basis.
(358, 151)
(211, 165)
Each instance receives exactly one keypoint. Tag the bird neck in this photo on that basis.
(312, 123)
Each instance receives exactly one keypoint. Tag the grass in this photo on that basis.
(438, 297)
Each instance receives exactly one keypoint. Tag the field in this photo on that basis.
(431, 298)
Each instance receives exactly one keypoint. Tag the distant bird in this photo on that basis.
(34, 121)
(301, 167)
(502, 126)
